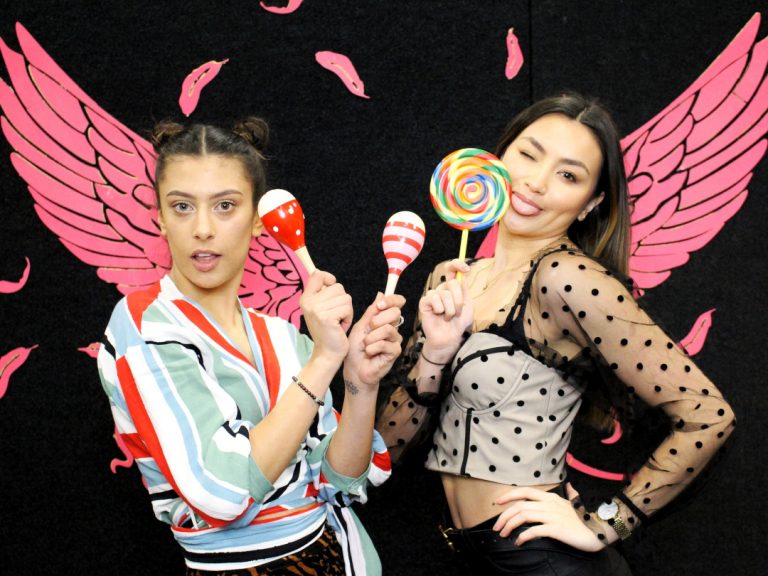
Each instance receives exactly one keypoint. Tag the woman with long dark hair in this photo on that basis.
(502, 360)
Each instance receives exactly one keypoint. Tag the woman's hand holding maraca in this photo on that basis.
(446, 313)
(327, 310)
(374, 344)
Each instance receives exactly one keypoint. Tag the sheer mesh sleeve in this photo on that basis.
(410, 398)
(576, 304)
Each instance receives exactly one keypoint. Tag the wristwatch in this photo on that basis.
(609, 511)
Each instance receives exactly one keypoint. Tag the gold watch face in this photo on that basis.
(607, 510)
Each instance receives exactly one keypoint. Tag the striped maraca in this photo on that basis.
(402, 241)
(283, 219)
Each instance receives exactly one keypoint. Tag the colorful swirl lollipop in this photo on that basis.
(470, 190)
(402, 240)
(283, 219)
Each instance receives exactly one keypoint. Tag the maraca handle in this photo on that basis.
(303, 255)
(391, 284)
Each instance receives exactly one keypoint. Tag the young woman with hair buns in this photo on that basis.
(501, 361)
(227, 411)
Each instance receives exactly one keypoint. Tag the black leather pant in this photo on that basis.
(482, 552)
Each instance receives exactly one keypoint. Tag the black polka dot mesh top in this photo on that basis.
(508, 399)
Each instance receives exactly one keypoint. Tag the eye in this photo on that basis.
(570, 176)
(226, 205)
(526, 155)
(182, 207)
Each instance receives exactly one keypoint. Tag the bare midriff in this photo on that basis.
(471, 500)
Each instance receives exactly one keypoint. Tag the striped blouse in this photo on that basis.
(184, 399)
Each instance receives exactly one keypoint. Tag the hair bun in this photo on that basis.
(163, 132)
(253, 130)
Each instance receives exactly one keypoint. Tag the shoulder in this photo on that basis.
(137, 313)
(567, 265)
(570, 273)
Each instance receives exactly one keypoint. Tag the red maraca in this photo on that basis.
(283, 219)
(402, 241)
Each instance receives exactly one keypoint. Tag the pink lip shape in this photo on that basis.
(8, 287)
(694, 341)
(514, 55)
(92, 349)
(205, 261)
(9, 363)
(292, 6)
(195, 81)
(344, 69)
(523, 206)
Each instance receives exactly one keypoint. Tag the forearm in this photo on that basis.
(349, 452)
(276, 439)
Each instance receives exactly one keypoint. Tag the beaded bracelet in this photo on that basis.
(430, 361)
(307, 391)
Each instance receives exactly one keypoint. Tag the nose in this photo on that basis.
(203, 226)
(536, 179)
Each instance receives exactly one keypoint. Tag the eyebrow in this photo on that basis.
(570, 161)
(181, 194)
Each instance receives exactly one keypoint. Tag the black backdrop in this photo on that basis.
(434, 71)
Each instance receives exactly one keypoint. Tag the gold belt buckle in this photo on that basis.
(446, 532)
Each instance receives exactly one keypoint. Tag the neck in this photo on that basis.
(221, 303)
(514, 250)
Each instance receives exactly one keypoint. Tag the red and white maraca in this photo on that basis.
(402, 241)
(283, 219)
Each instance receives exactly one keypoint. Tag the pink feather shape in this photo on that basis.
(128, 459)
(195, 81)
(292, 6)
(92, 180)
(11, 362)
(8, 287)
(344, 69)
(694, 341)
(689, 166)
(514, 56)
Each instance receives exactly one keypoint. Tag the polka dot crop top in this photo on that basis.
(508, 418)
(575, 317)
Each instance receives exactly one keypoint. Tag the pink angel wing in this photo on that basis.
(90, 176)
(689, 167)
(273, 279)
(92, 182)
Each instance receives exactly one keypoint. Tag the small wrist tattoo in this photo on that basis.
(351, 388)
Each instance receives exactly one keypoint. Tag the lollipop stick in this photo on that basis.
(391, 284)
(462, 251)
(306, 260)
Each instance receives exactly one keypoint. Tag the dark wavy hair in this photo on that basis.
(604, 233)
(246, 142)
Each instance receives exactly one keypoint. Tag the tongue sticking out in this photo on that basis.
(523, 207)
